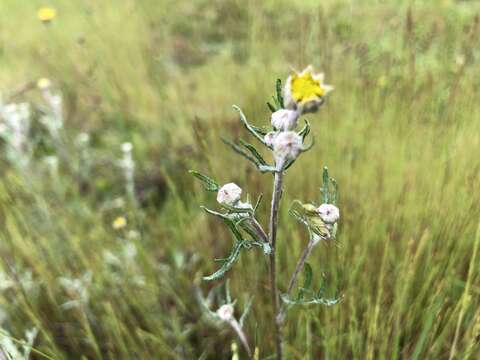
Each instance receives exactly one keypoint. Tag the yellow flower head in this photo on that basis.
(306, 90)
(46, 14)
(119, 223)
(44, 83)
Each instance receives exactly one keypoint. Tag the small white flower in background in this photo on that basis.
(284, 120)
(129, 251)
(77, 289)
(127, 147)
(15, 132)
(287, 146)
(133, 234)
(53, 121)
(229, 194)
(269, 137)
(20, 350)
(328, 213)
(128, 166)
(52, 162)
(225, 312)
(5, 282)
(83, 139)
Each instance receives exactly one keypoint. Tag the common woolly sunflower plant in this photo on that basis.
(304, 92)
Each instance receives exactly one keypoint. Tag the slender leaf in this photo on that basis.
(271, 107)
(208, 183)
(250, 128)
(279, 93)
(254, 152)
(241, 151)
(227, 265)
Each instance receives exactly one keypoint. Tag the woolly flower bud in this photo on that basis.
(328, 213)
(269, 137)
(225, 312)
(229, 194)
(284, 120)
(287, 146)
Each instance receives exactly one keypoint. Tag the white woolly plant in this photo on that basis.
(14, 131)
(303, 93)
(127, 164)
(52, 117)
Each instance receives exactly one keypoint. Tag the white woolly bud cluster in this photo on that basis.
(229, 194)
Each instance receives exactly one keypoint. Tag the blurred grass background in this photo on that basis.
(400, 133)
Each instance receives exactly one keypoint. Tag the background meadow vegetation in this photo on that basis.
(400, 133)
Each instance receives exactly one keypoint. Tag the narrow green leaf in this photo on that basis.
(245, 312)
(271, 107)
(257, 204)
(250, 128)
(305, 130)
(208, 183)
(279, 93)
(324, 188)
(227, 265)
(335, 191)
(254, 152)
(239, 150)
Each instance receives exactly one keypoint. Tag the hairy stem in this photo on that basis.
(300, 265)
(273, 224)
(298, 270)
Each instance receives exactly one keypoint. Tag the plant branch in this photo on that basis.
(258, 228)
(276, 196)
(298, 269)
(241, 335)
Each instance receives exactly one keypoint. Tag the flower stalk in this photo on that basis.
(304, 93)
(273, 226)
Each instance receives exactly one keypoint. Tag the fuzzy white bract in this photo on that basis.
(284, 120)
(225, 312)
(287, 146)
(328, 213)
(229, 194)
(269, 137)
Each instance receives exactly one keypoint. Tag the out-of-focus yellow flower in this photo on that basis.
(44, 83)
(119, 223)
(306, 90)
(256, 354)
(234, 349)
(382, 81)
(46, 14)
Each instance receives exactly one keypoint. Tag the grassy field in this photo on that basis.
(400, 133)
